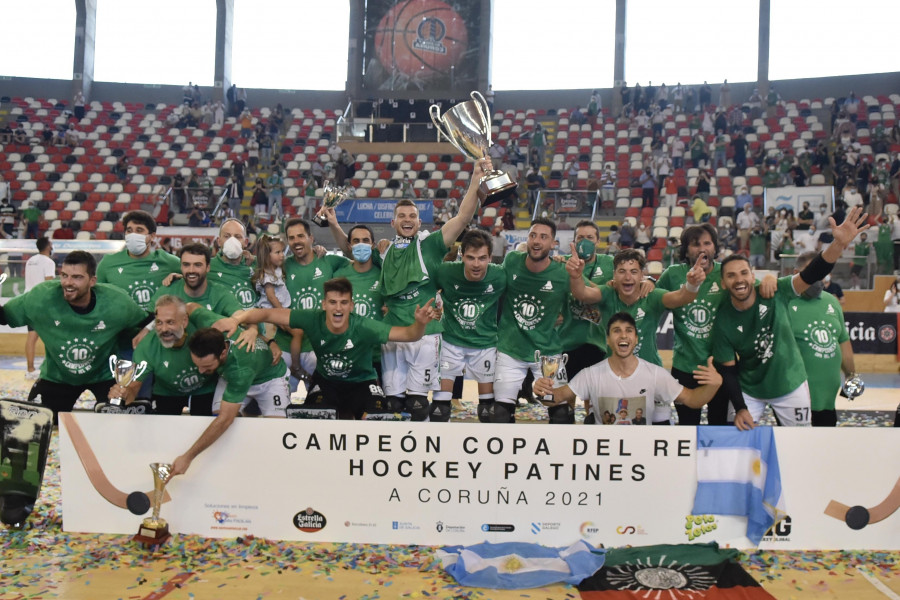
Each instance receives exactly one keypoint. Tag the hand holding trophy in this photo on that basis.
(550, 366)
(332, 195)
(468, 127)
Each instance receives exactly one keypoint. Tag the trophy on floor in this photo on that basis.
(332, 195)
(468, 127)
(550, 366)
(154, 530)
(124, 372)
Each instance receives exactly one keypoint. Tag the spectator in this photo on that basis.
(670, 186)
(892, 297)
(19, 135)
(572, 175)
(833, 288)
(121, 168)
(259, 200)
(318, 172)
(677, 152)
(700, 210)
(64, 232)
(534, 182)
(727, 237)
(78, 104)
(498, 247)
(757, 248)
(406, 189)
(698, 150)
(538, 141)
(594, 106)
(862, 248)
(246, 124)
(577, 117)
(678, 99)
(648, 186)
(743, 198)
(739, 148)
(721, 144)
(851, 107)
(8, 215)
(851, 196)
(703, 188)
(747, 221)
(71, 136)
(218, 110)
(265, 150)
(663, 170)
(275, 184)
(626, 235)
(509, 223)
(6, 134)
(608, 185)
(5, 191)
(642, 238)
(806, 240)
(705, 96)
(613, 239)
(771, 178)
(253, 152)
(32, 218)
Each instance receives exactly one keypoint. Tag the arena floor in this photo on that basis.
(42, 561)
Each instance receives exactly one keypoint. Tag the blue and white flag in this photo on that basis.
(738, 474)
(519, 565)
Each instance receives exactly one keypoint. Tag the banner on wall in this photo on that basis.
(792, 198)
(378, 211)
(464, 483)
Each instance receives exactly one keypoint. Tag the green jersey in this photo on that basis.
(236, 278)
(407, 278)
(582, 323)
(861, 253)
(346, 356)
(139, 277)
(757, 244)
(531, 305)
(367, 300)
(470, 307)
(819, 330)
(693, 322)
(243, 369)
(175, 374)
(646, 313)
(216, 298)
(305, 283)
(760, 339)
(78, 345)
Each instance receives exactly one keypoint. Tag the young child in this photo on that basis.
(273, 293)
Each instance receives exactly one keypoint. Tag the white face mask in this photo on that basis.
(136, 243)
(232, 248)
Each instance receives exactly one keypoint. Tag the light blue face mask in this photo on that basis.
(362, 252)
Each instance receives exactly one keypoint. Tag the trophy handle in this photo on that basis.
(3, 277)
(142, 367)
(537, 356)
(483, 110)
(434, 111)
(112, 364)
(563, 358)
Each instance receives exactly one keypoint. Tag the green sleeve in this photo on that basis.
(302, 319)
(786, 286)
(142, 352)
(377, 329)
(845, 335)
(655, 301)
(227, 303)
(665, 280)
(337, 261)
(238, 378)
(16, 310)
(434, 249)
(101, 270)
(202, 318)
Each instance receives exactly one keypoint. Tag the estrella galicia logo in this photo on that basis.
(504, 528)
(886, 334)
(439, 526)
(309, 520)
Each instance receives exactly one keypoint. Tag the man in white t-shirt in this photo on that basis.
(38, 269)
(616, 388)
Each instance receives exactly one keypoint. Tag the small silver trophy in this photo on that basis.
(550, 366)
(154, 530)
(332, 195)
(853, 386)
(124, 372)
(468, 127)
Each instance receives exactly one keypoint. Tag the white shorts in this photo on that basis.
(793, 409)
(307, 361)
(477, 363)
(511, 372)
(271, 396)
(411, 367)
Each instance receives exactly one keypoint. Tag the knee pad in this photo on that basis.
(395, 403)
(590, 419)
(561, 415)
(501, 412)
(440, 411)
(484, 411)
(417, 407)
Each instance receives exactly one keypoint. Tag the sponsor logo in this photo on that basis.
(349, 345)
(154, 267)
(99, 326)
(309, 520)
(317, 273)
(404, 525)
(56, 323)
(588, 529)
(630, 530)
(763, 309)
(829, 310)
(429, 34)
(714, 288)
(779, 532)
(547, 287)
(640, 314)
(359, 524)
(740, 328)
(697, 525)
(887, 334)
(489, 289)
(498, 527)
(442, 527)
(222, 518)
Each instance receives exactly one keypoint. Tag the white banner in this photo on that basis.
(793, 198)
(464, 483)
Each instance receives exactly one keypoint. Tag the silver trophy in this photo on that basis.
(550, 366)
(332, 195)
(853, 387)
(124, 372)
(468, 127)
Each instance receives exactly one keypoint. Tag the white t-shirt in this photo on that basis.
(650, 388)
(37, 269)
(893, 302)
(281, 292)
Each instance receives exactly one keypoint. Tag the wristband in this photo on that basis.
(816, 270)
(691, 288)
(270, 341)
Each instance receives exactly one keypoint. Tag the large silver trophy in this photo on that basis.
(468, 127)
(550, 366)
(124, 372)
(154, 530)
(332, 195)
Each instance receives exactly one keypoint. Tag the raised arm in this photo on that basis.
(588, 294)
(339, 235)
(843, 234)
(276, 316)
(415, 331)
(468, 206)
(687, 293)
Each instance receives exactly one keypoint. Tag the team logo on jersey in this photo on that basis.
(120, 269)
(794, 308)
(740, 328)
(154, 267)
(455, 286)
(317, 273)
(209, 307)
(547, 287)
(188, 379)
(821, 339)
(467, 313)
(489, 289)
(307, 298)
(764, 344)
(640, 314)
(99, 326)
(220, 275)
(829, 310)
(56, 323)
(166, 364)
(714, 288)
(763, 309)
(141, 292)
(349, 345)
(528, 311)
(336, 365)
(515, 276)
(78, 355)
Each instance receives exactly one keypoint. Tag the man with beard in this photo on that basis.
(233, 266)
(753, 340)
(471, 290)
(194, 286)
(176, 381)
(304, 276)
(80, 322)
(629, 386)
(537, 289)
(821, 334)
(344, 379)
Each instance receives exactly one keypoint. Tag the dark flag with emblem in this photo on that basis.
(672, 572)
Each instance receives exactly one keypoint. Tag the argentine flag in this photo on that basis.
(519, 565)
(738, 474)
